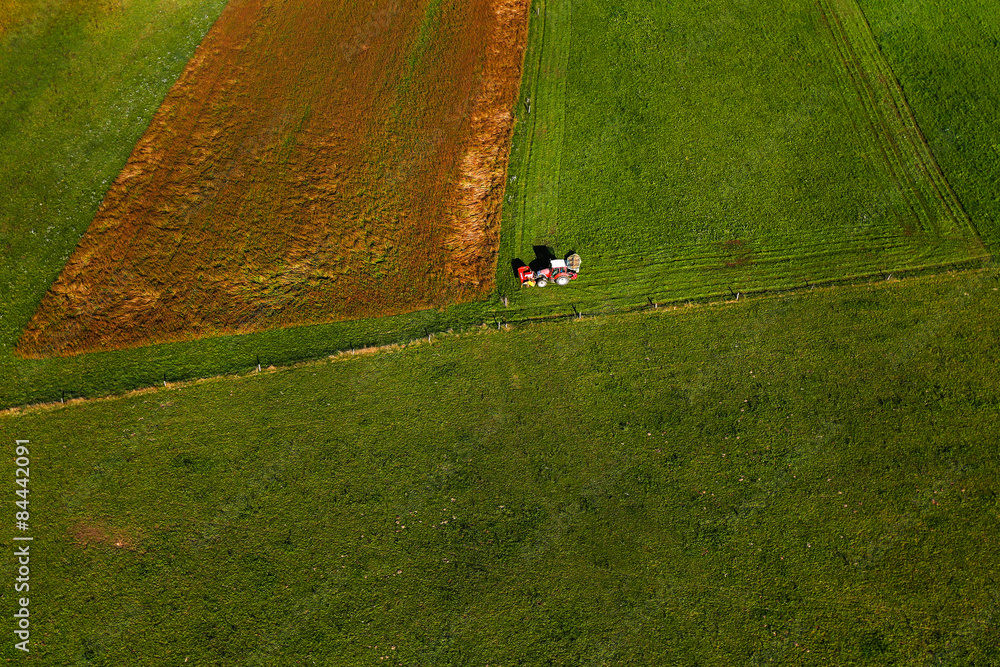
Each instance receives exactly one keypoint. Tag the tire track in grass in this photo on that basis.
(934, 230)
(909, 160)
(543, 108)
(868, 123)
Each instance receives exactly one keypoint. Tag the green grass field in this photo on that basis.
(686, 150)
(807, 479)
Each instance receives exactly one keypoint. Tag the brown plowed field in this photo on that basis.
(316, 161)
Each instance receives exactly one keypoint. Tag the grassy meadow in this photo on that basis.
(686, 150)
(803, 479)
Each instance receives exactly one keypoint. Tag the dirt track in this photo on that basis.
(315, 161)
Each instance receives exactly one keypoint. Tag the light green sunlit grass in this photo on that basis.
(686, 149)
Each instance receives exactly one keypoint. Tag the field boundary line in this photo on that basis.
(503, 324)
(340, 355)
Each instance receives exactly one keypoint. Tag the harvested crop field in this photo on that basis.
(314, 162)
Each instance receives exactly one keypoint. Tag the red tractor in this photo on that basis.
(559, 271)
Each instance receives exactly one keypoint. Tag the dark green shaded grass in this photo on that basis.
(27, 382)
(805, 479)
(688, 150)
(947, 57)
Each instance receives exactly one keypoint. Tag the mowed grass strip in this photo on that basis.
(711, 147)
(804, 479)
(313, 163)
(911, 165)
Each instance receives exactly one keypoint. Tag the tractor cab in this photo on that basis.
(559, 272)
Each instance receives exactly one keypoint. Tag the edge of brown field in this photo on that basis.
(116, 290)
(476, 208)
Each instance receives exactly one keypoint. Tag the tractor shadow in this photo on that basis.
(543, 255)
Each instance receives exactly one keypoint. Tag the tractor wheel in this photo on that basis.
(562, 280)
(541, 282)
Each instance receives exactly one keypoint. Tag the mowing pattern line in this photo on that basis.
(908, 157)
(544, 110)
(909, 219)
